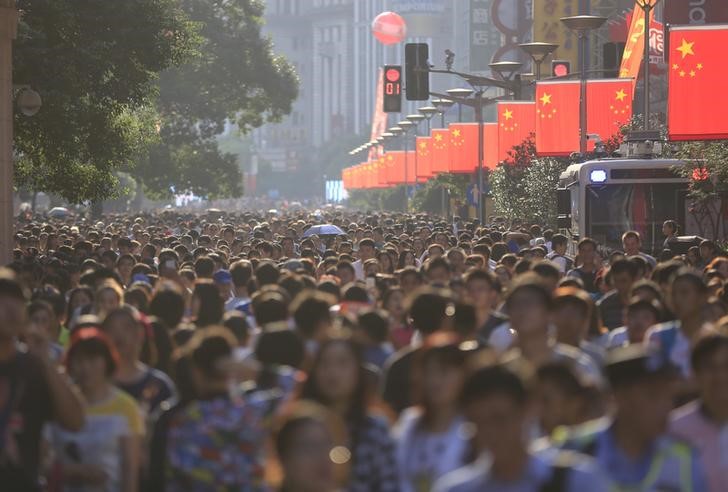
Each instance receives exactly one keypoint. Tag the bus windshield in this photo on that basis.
(614, 209)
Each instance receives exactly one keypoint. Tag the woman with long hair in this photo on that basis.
(338, 381)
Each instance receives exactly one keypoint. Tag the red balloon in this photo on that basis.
(389, 28)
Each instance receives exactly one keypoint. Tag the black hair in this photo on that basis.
(211, 303)
(624, 265)
(310, 309)
(493, 380)
(707, 347)
(168, 305)
(428, 309)
(375, 324)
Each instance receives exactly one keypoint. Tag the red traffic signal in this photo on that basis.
(560, 68)
(392, 88)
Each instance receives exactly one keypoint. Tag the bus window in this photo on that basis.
(615, 208)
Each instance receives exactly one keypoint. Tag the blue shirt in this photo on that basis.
(624, 471)
(583, 475)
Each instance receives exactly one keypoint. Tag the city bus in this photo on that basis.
(603, 198)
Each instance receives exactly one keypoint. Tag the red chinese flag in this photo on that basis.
(490, 139)
(557, 117)
(608, 107)
(516, 122)
(697, 100)
(424, 156)
(394, 170)
(410, 160)
(440, 162)
(382, 173)
(464, 145)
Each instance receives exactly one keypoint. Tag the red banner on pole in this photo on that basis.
(697, 100)
(516, 122)
(464, 147)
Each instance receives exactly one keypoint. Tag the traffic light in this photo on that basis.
(392, 88)
(560, 68)
(612, 56)
(417, 71)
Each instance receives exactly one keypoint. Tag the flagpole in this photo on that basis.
(647, 6)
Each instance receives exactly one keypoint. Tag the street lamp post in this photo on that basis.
(406, 126)
(396, 131)
(582, 24)
(8, 30)
(428, 112)
(415, 119)
(442, 106)
(647, 6)
(458, 94)
(538, 52)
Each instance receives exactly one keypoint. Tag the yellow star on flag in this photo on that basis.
(699, 66)
(438, 137)
(692, 73)
(508, 114)
(456, 133)
(675, 66)
(423, 145)
(545, 99)
(682, 73)
(686, 48)
(620, 95)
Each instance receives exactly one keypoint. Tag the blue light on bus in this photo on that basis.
(598, 176)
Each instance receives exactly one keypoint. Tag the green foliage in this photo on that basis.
(523, 187)
(392, 199)
(706, 166)
(95, 64)
(428, 197)
(235, 77)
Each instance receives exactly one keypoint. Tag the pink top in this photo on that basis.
(690, 424)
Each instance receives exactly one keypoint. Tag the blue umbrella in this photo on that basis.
(323, 230)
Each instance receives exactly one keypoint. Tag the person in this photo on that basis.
(241, 272)
(35, 392)
(216, 441)
(530, 306)
(312, 315)
(429, 313)
(148, 386)
(689, 294)
(669, 230)
(611, 306)
(633, 448)
(641, 315)
(207, 306)
(371, 331)
(558, 256)
(482, 289)
(338, 381)
(106, 453)
(400, 332)
(496, 400)
(564, 398)
(309, 444)
(367, 250)
(632, 244)
(572, 314)
(430, 438)
(704, 422)
(588, 264)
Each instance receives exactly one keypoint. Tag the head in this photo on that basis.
(211, 353)
(337, 378)
(108, 297)
(207, 304)
(669, 228)
(309, 445)
(439, 373)
(12, 307)
(563, 397)
(641, 314)
(587, 249)
(367, 249)
(624, 274)
(311, 314)
(91, 359)
(572, 310)
(643, 387)
(631, 243)
(529, 306)
(482, 289)
(431, 310)
(495, 399)
(125, 331)
(710, 367)
(688, 293)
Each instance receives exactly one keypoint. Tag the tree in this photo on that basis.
(236, 77)
(95, 63)
(706, 166)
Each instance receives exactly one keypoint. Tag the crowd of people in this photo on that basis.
(179, 352)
